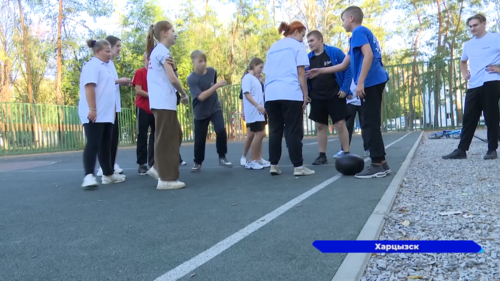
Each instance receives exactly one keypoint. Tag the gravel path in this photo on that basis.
(471, 188)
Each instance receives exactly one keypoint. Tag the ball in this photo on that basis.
(349, 164)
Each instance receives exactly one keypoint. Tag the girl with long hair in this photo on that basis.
(162, 85)
(253, 106)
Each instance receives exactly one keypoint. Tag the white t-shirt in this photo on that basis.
(481, 53)
(250, 84)
(161, 92)
(282, 60)
(117, 88)
(100, 73)
(355, 100)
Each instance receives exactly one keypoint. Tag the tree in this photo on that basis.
(26, 52)
(59, 54)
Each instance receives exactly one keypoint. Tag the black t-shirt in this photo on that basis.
(323, 86)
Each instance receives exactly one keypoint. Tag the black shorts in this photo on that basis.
(265, 122)
(335, 107)
(258, 126)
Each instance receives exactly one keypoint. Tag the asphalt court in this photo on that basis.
(52, 229)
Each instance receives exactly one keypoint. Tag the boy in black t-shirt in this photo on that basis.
(328, 94)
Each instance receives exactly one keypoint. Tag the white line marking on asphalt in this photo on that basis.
(225, 244)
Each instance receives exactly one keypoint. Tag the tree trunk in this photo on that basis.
(28, 71)
(274, 14)
(206, 17)
(437, 78)
(415, 69)
(59, 55)
(456, 92)
(60, 101)
(26, 53)
(233, 41)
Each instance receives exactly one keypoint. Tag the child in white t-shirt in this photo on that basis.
(96, 109)
(253, 106)
(162, 86)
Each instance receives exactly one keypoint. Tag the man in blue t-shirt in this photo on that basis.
(480, 65)
(365, 61)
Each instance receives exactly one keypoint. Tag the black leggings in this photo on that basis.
(115, 139)
(98, 144)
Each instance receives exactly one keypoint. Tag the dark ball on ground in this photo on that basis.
(349, 164)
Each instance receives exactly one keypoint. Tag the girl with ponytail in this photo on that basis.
(287, 96)
(162, 86)
(253, 106)
(250, 134)
(96, 109)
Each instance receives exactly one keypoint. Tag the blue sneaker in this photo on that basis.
(340, 153)
(367, 153)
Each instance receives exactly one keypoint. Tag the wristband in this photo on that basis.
(92, 109)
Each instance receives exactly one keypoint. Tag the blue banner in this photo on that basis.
(398, 246)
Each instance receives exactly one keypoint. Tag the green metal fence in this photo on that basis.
(417, 96)
(424, 95)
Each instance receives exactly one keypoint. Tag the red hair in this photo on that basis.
(289, 29)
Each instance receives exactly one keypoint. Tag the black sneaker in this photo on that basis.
(372, 171)
(196, 168)
(321, 160)
(490, 155)
(456, 154)
(143, 169)
(224, 163)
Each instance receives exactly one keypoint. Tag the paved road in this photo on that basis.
(50, 229)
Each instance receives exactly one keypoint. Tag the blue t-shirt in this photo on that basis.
(377, 74)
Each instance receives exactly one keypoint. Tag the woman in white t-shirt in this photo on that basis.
(287, 96)
(253, 106)
(96, 109)
(162, 86)
(116, 46)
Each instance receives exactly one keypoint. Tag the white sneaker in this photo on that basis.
(340, 153)
(243, 161)
(153, 173)
(275, 170)
(183, 163)
(89, 181)
(113, 179)
(264, 163)
(118, 170)
(162, 185)
(303, 171)
(254, 165)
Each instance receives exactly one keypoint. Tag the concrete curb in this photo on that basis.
(354, 264)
